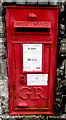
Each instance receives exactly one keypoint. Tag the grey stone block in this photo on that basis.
(2, 35)
(1, 20)
(0, 12)
(3, 66)
(0, 104)
(43, 2)
(2, 48)
(21, 1)
(2, 40)
(8, 1)
(32, 1)
(1, 26)
(4, 96)
(1, 2)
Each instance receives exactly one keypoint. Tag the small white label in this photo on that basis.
(32, 57)
(37, 79)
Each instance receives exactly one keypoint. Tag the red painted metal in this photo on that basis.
(31, 26)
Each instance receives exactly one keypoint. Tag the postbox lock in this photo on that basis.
(32, 16)
(23, 79)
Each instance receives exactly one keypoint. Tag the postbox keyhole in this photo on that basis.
(23, 79)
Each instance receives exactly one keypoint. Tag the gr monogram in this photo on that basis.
(31, 93)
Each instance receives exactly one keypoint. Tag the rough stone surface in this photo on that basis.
(59, 108)
(3, 69)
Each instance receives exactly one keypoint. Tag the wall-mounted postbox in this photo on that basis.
(32, 45)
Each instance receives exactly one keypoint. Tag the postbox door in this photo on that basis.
(32, 75)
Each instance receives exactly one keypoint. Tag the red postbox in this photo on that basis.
(32, 45)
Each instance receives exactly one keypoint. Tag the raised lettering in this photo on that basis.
(37, 93)
(34, 93)
(25, 93)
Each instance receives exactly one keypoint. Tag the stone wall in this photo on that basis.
(3, 68)
(60, 105)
